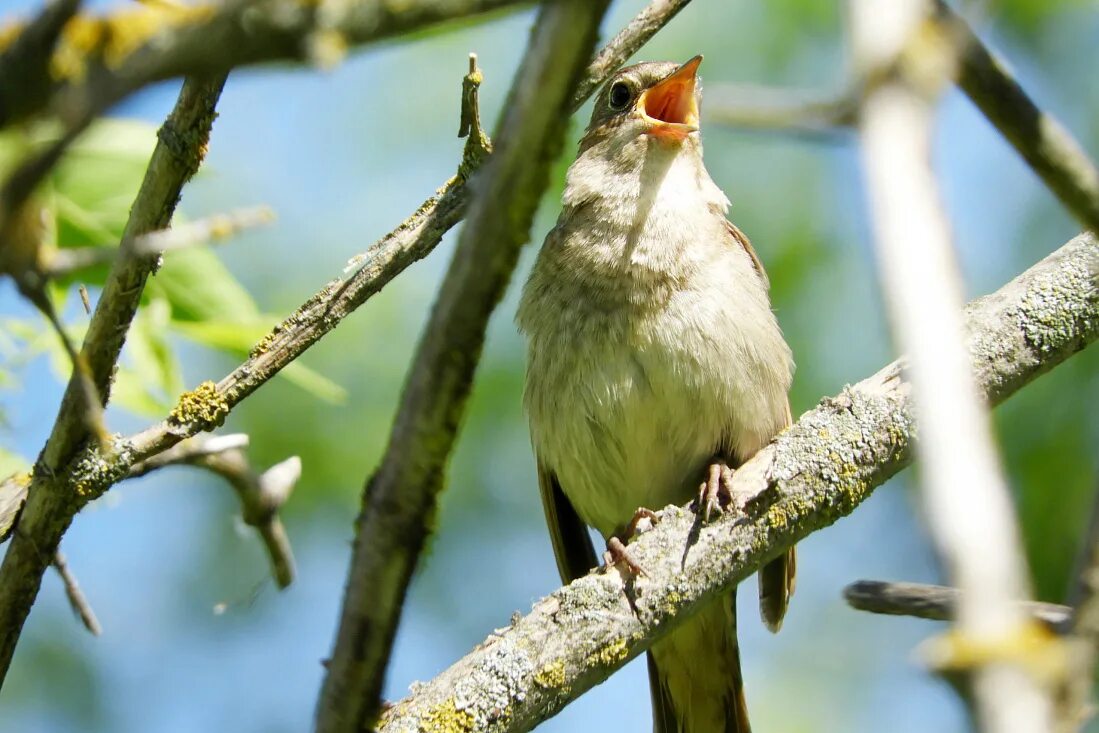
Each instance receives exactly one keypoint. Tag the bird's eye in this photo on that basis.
(620, 95)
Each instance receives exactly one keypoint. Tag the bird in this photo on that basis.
(655, 367)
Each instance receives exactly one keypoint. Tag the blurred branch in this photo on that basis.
(1078, 705)
(815, 472)
(1046, 145)
(800, 112)
(934, 602)
(969, 510)
(77, 599)
(400, 498)
(53, 497)
(209, 230)
(190, 451)
(102, 59)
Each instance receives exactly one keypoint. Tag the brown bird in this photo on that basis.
(655, 366)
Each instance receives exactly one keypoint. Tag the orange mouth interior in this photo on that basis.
(672, 101)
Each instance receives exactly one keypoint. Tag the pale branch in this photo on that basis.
(208, 230)
(1046, 145)
(189, 451)
(965, 494)
(935, 602)
(77, 600)
(100, 60)
(399, 500)
(52, 499)
(412, 240)
(815, 472)
(1083, 628)
(797, 111)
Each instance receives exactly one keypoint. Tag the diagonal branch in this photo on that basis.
(52, 501)
(817, 471)
(399, 499)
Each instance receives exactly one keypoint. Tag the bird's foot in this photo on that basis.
(617, 554)
(717, 492)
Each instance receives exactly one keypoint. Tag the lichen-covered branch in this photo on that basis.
(815, 472)
(400, 498)
(1046, 145)
(934, 602)
(52, 498)
(101, 59)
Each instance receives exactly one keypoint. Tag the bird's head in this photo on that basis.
(657, 100)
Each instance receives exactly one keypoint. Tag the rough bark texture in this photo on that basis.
(819, 470)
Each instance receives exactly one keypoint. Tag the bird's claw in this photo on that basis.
(617, 554)
(716, 492)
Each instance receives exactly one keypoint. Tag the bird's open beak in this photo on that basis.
(672, 105)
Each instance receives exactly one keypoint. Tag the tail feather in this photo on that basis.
(695, 676)
(776, 584)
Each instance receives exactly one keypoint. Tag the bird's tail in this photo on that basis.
(695, 678)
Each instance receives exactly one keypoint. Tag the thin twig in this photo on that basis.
(52, 499)
(800, 112)
(815, 472)
(77, 599)
(189, 451)
(209, 230)
(399, 499)
(1076, 705)
(968, 506)
(934, 602)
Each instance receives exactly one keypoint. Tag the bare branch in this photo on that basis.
(51, 500)
(399, 499)
(1046, 145)
(815, 472)
(189, 451)
(1077, 705)
(801, 112)
(934, 602)
(77, 599)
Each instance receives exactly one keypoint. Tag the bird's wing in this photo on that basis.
(742, 239)
(776, 578)
(571, 543)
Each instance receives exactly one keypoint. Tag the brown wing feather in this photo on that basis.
(778, 577)
(572, 545)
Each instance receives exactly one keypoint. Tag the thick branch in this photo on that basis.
(817, 471)
(399, 499)
(52, 498)
(103, 59)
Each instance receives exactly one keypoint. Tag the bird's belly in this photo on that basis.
(628, 420)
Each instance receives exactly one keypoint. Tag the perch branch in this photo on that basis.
(400, 498)
(815, 472)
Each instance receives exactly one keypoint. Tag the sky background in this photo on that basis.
(344, 155)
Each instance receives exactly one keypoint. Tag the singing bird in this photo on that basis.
(655, 366)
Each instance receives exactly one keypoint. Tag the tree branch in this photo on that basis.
(815, 472)
(800, 112)
(399, 499)
(1046, 145)
(52, 499)
(934, 602)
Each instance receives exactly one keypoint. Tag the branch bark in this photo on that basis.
(817, 471)
(52, 497)
(934, 602)
(399, 499)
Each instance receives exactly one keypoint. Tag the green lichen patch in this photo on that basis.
(446, 718)
(609, 654)
(203, 406)
(93, 472)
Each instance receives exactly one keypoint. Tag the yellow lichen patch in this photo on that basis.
(551, 675)
(203, 405)
(446, 718)
(610, 654)
(263, 345)
(114, 37)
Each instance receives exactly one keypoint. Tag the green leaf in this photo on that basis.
(200, 288)
(12, 463)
